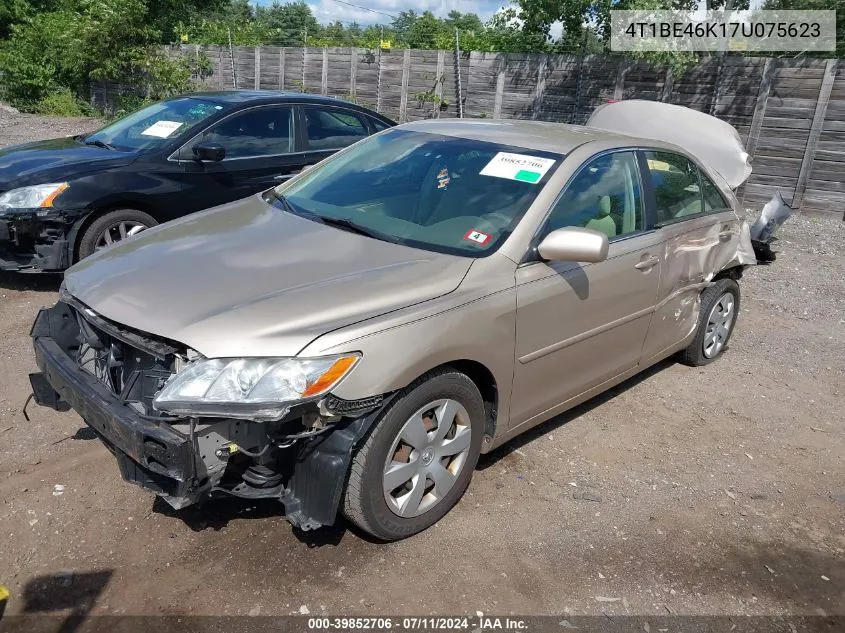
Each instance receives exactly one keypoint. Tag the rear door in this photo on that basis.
(328, 128)
(580, 325)
(260, 145)
(700, 234)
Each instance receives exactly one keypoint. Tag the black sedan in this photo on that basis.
(63, 199)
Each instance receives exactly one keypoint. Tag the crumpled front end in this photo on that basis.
(110, 375)
(37, 239)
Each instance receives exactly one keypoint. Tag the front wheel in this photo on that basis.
(111, 228)
(716, 321)
(419, 458)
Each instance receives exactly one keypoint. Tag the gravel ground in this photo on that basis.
(707, 491)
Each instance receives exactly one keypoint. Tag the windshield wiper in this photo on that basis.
(340, 223)
(99, 143)
(353, 227)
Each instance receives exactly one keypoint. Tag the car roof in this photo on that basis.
(560, 138)
(238, 97)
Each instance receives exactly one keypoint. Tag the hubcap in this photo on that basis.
(426, 457)
(118, 232)
(719, 325)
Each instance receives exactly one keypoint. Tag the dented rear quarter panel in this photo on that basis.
(694, 252)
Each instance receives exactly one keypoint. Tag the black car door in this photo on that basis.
(260, 146)
(325, 129)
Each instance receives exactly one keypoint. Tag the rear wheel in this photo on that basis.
(111, 228)
(419, 458)
(716, 320)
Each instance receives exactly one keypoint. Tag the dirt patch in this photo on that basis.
(694, 491)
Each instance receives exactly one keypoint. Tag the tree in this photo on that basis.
(63, 49)
(289, 24)
(424, 31)
(403, 24)
(817, 5)
(465, 22)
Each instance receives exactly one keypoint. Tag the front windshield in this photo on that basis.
(441, 193)
(154, 125)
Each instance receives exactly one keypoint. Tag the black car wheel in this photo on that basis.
(716, 320)
(111, 228)
(418, 460)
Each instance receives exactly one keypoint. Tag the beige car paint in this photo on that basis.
(249, 280)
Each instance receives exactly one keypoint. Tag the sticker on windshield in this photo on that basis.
(162, 129)
(443, 178)
(477, 237)
(517, 167)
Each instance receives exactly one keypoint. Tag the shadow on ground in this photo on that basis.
(532, 434)
(217, 513)
(46, 282)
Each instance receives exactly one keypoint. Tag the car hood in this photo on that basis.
(54, 160)
(248, 279)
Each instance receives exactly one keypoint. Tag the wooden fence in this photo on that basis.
(790, 113)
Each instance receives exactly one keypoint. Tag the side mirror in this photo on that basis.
(208, 151)
(573, 244)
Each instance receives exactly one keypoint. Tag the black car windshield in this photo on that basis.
(154, 125)
(441, 193)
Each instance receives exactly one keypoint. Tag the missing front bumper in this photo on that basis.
(175, 458)
(34, 245)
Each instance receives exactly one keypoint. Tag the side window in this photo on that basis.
(330, 128)
(713, 200)
(378, 126)
(605, 195)
(254, 133)
(676, 187)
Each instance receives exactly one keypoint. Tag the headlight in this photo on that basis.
(259, 389)
(37, 196)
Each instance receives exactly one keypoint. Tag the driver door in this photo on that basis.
(260, 146)
(580, 325)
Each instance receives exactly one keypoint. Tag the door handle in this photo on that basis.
(647, 264)
(724, 236)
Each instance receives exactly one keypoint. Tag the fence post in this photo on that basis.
(324, 81)
(668, 84)
(257, 82)
(500, 87)
(353, 72)
(378, 82)
(759, 113)
(403, 99)
(304, 61)
(458, 74)
(220, 67)
(540, 88)
(621, 72)
(581, 58)
(282, 50)
(815, 133)
(760, 107)
(714, 96)
(438, 82)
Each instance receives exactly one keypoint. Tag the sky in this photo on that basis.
(330, 10)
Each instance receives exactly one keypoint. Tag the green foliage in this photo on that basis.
(49, 60)
(817, 5)
(52, 50)
(62, 102)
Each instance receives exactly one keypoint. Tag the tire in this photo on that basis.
(703, 350)
(365, 501)
(88, 243)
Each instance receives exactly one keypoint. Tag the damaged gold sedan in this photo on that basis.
(353, 339)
